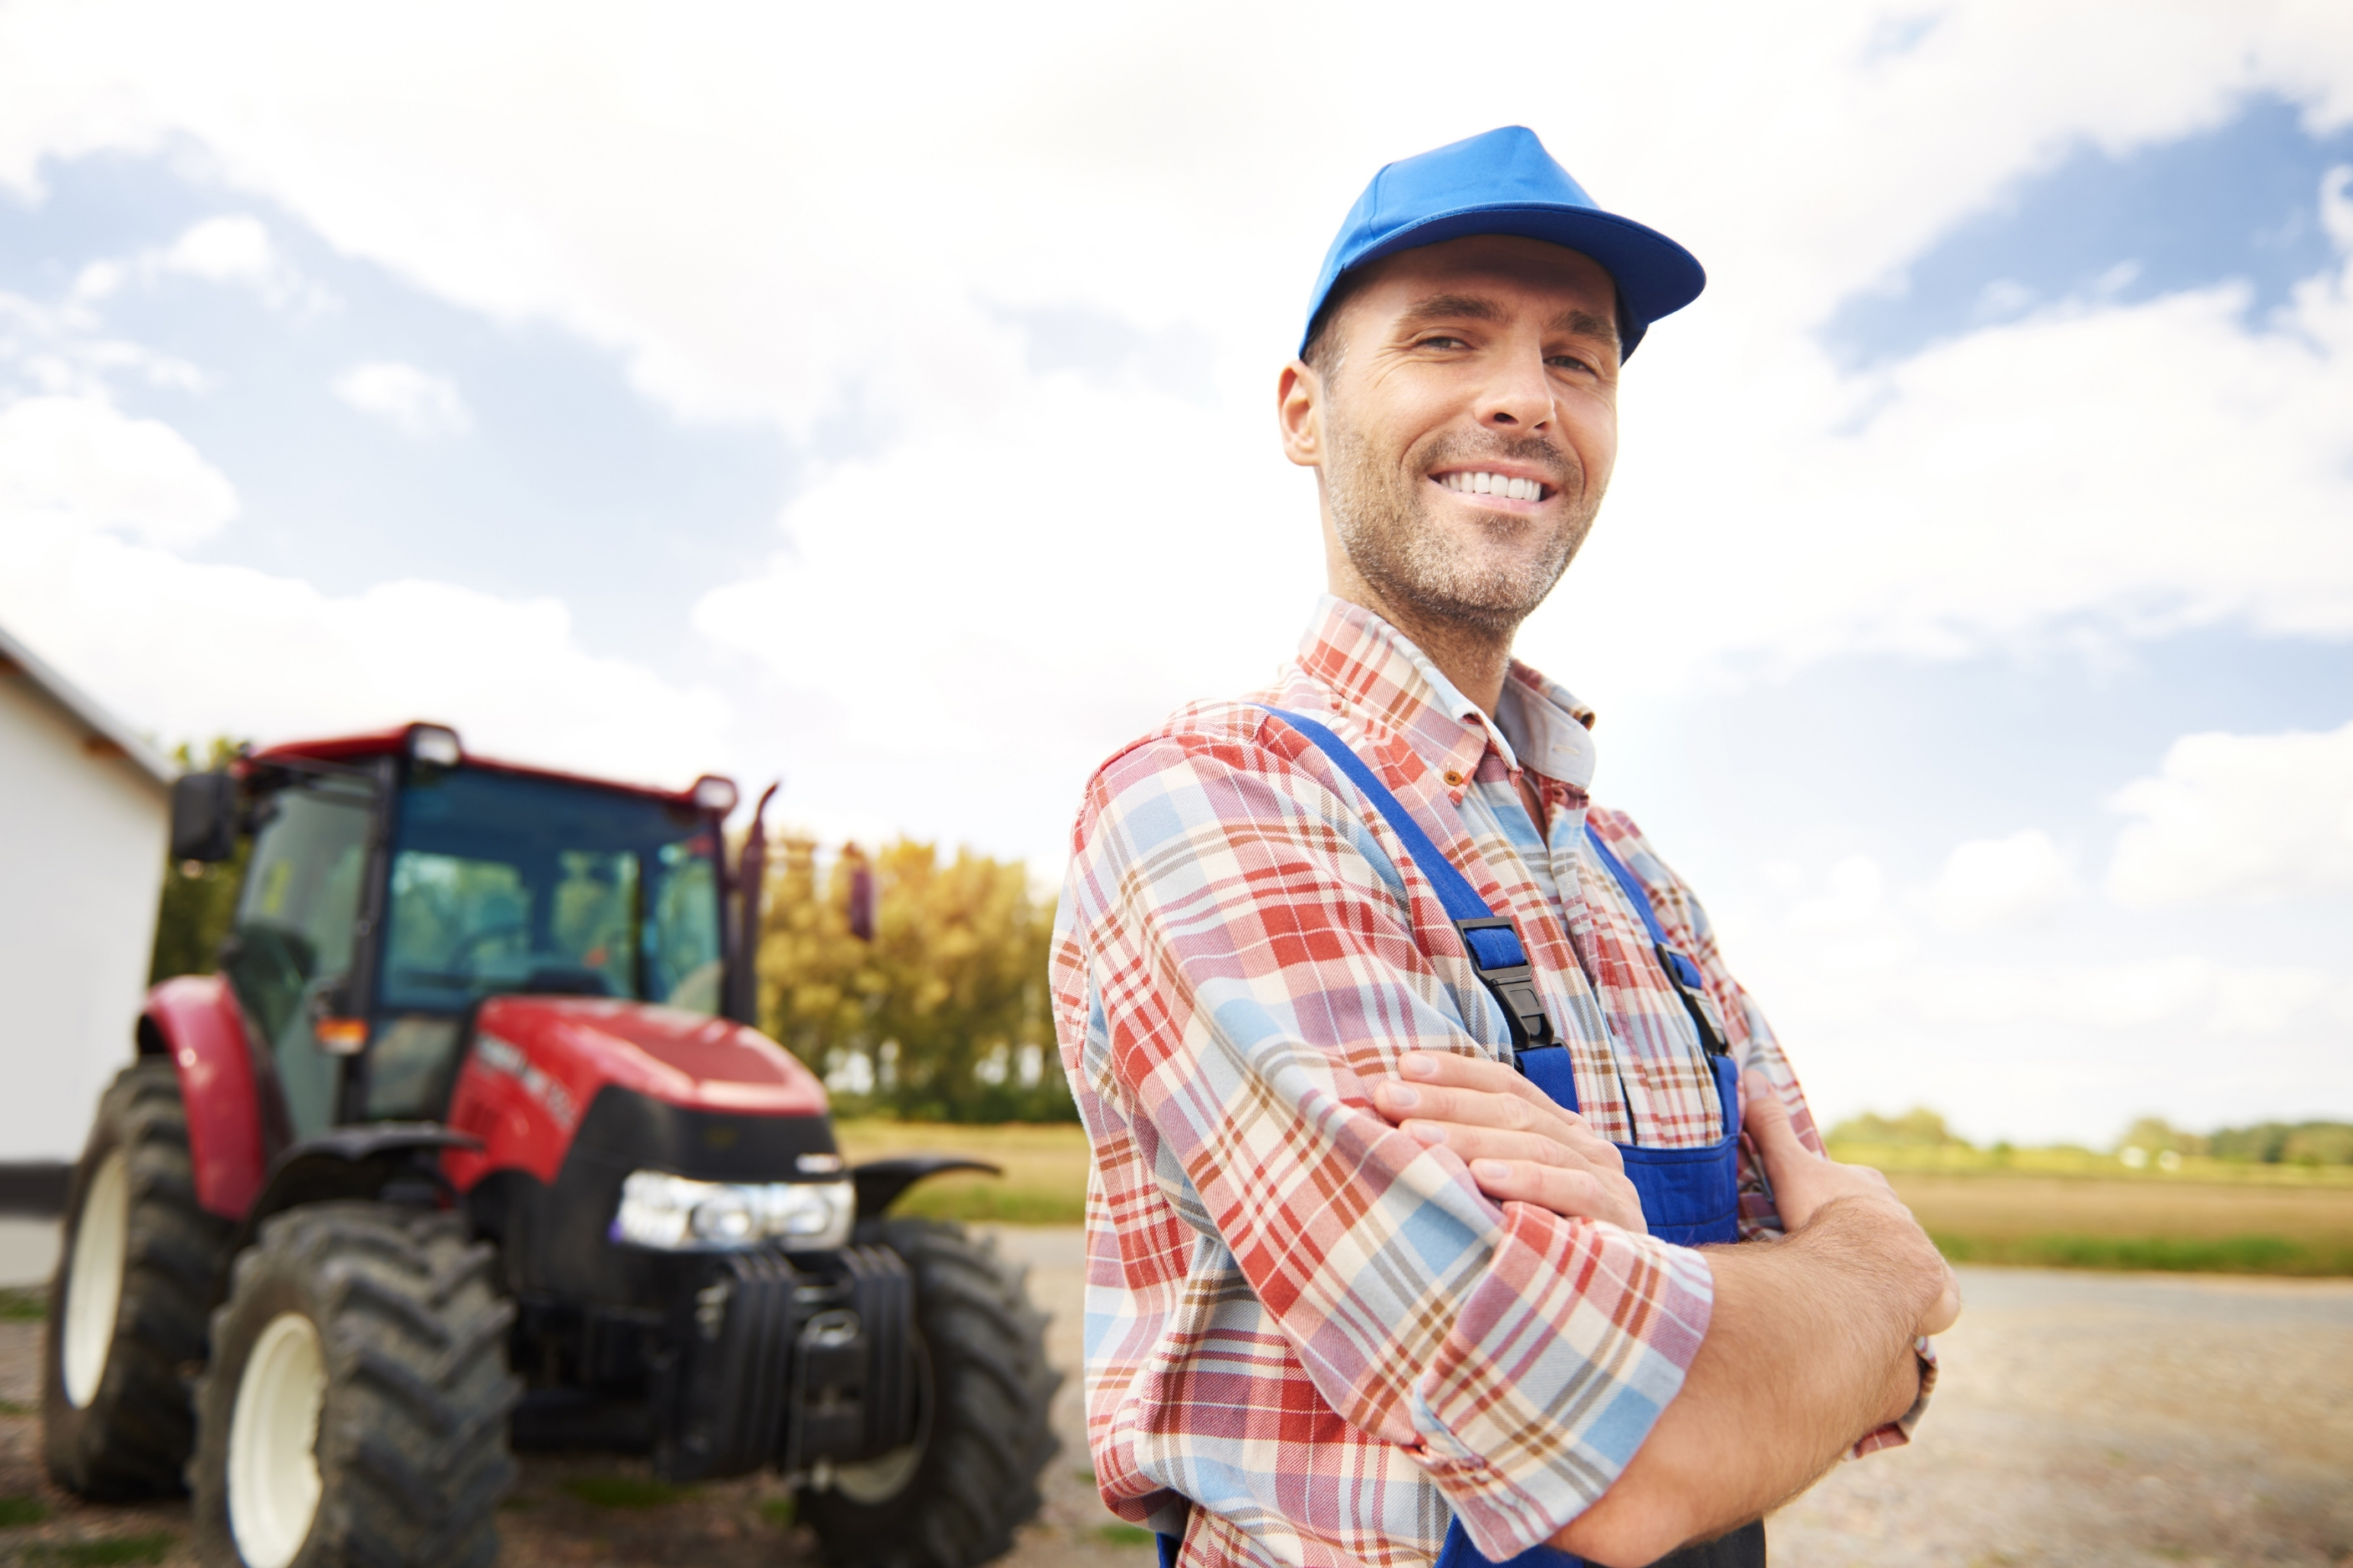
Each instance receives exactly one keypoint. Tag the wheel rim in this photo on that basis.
(876, 1481)
(273, 1438)
(102, 1244)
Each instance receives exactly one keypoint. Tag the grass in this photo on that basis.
(2099, 1222)
(1045, 1180)
(625, 1491)
(2064, 1208)
(28, 1305)
(2197, 1170)
(120, 1548)
(780, 1512)
(1124, 1535)
(22, 1511)
(17, 1407)
(2225, 1255)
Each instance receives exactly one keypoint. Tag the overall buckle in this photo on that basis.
(1503, 967)
(1693, 986)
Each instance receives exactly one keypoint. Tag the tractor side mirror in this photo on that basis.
(204, 816)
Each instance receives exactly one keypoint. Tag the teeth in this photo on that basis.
(1494, 485)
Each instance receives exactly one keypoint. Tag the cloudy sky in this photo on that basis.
(881, 399)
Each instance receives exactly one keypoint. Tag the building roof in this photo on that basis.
(108, 735)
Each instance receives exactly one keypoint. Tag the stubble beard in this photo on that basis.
(1384, 518)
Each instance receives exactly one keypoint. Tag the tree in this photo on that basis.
(2155, 1135)
(940, 1017)
(2278, 1143)
(198, 899)
(1918, 1127)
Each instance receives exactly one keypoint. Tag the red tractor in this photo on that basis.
(472, 1143)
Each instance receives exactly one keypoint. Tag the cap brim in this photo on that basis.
(1655, 277)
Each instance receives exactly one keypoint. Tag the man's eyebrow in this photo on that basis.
(1585, 324)
(1450, 307)
(1574, 321)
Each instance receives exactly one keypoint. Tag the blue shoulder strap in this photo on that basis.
(1686, 975)
(1491, 942)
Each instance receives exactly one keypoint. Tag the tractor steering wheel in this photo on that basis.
(462, 955)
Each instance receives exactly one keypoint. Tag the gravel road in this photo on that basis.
(2110, 1421)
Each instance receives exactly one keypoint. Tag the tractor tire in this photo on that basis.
(126, 1318)
(955, 1497)
(355, 1409)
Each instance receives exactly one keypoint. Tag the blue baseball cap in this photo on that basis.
(1504, 182)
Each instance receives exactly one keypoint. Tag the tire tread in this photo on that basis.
(412, 1443)
(991, 1435)
(133, 1439)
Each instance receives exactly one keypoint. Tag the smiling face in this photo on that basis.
(1463, 418)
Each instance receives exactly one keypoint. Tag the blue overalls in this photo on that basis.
(1690, 1196)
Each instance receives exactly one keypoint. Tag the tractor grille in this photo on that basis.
(787, 1363)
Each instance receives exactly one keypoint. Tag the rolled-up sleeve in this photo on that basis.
(1251, 956)
(1759, 1050)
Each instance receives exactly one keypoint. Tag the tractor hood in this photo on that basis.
(538, 1064)
(584, 1044)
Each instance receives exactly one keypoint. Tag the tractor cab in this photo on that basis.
(396, 883)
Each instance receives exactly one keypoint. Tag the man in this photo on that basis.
(1359, 1290)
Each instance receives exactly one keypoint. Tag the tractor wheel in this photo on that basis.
(126, 1317)
(355, 1409)
(955, 1495)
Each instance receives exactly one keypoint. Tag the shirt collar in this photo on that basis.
(1376, 670)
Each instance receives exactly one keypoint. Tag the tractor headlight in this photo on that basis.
(676, 1214)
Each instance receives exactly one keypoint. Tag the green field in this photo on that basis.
(2067, 1208)
(1045, 1180)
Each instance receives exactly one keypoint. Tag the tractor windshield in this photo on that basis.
(503, 882)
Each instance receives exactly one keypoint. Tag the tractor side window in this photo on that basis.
(293, 933)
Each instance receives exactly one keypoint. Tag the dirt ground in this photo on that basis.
(2110, 1421)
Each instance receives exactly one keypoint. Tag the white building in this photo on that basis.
(84, 822)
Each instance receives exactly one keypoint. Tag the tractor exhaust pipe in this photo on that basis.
(750, 872)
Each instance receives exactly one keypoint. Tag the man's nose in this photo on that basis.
(1519, 396)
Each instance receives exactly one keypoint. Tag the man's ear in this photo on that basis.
(1299, 413)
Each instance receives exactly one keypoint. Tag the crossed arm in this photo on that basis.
(1810, 1345)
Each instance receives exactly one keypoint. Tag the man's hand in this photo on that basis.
(1805, 1183)
(1519, 1145)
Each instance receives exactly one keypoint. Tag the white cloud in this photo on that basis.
(2239, 817)
(191, 650)
(2138, 995)
(1853, 898)
(995, 575)
(1990, 883)
(643, 185)
(415, 402)
(233, 249)
(225, 250)
(76, 465)
(1012, 638)
(93, 506)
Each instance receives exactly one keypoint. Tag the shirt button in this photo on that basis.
(1453, 776)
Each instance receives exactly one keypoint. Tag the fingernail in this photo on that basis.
(1400, 1096)
(1490, 1170)
(1417, 1064)
(1428, 1134)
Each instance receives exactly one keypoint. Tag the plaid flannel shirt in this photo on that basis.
(1305, 1332)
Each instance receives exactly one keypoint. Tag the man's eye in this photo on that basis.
(1567, 362)
(1442, 341)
